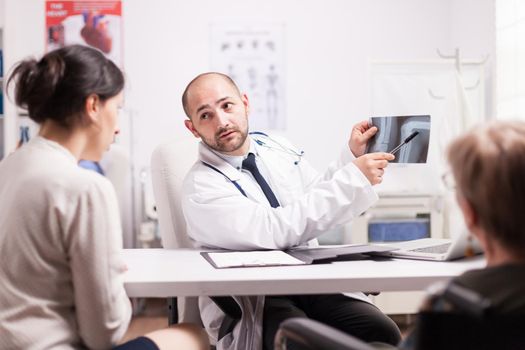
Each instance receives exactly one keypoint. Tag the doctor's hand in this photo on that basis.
(361, 133)
(373, 165)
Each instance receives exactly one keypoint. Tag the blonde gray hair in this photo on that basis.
(488, 164)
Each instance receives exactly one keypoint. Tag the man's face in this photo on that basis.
(219, 115)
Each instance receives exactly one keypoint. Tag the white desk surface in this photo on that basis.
(183, 272)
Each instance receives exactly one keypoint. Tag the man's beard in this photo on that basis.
(227, 146)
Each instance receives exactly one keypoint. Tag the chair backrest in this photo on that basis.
(461, 318)
(117, 169)
(456, 331)
(170, 162)
(434, 331)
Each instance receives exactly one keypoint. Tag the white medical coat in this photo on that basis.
(218, 215)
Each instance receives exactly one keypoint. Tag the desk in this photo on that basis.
(183, 272)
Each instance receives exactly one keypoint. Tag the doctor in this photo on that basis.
(256, 192)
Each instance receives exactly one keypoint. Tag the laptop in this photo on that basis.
(435, 248)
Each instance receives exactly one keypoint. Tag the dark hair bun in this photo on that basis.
(57, 86)
(36, 82)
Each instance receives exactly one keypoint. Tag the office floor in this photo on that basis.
(152, 316)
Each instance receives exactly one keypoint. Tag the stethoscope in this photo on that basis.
(280, 147)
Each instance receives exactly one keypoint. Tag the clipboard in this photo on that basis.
(258, 258)
(291, 257)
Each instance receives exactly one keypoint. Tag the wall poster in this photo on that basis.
(253, 56)
(93, 23)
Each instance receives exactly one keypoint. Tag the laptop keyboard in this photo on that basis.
(437, 249)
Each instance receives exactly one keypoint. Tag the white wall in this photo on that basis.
(23, 36)
(329, 44)
(473, 29)
(510, 26)
(2, 13)
(328, 47)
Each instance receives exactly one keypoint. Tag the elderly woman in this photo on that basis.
(487, 173)
(488, 170)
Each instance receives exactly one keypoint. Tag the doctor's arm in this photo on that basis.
(218, 215)
(361, 134)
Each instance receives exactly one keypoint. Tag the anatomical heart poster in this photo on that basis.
(92, 23)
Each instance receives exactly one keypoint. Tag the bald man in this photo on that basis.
(253, 191)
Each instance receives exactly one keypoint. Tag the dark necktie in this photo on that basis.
(249, 164)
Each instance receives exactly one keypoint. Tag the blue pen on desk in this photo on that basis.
(407, 140)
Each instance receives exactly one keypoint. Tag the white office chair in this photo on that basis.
(117, 169)
(170, 162)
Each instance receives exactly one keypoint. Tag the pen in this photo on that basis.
(407, 140)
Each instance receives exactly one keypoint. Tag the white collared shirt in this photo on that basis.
(236, 162)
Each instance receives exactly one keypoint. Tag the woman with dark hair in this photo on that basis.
(60, 234)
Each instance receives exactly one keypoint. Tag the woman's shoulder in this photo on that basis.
(44, 164)
(70, 182)
(507, 272)
(504, 285)
(85, 181)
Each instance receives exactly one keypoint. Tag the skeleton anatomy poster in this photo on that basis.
(253, 56)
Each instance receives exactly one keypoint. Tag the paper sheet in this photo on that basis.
(253, 258)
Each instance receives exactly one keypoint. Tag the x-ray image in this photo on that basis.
(405, 136)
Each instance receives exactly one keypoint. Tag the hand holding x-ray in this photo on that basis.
(373, 165)
(361, 133)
